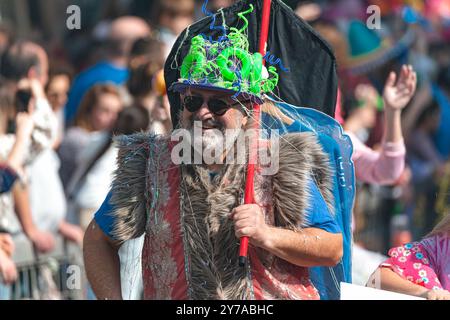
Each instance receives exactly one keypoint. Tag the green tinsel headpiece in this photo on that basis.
(227, 65)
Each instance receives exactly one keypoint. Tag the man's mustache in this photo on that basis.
(210, 123)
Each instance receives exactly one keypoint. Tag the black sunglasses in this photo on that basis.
(217, 106)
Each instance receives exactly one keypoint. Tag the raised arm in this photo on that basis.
(398, 91)
(385, 166)
(24, 124)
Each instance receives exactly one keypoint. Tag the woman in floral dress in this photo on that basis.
(419, 268)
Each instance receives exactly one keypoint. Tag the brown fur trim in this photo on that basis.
(128, 187)
(300, 158)
(212, 246)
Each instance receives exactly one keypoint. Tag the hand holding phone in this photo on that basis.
(22, 100)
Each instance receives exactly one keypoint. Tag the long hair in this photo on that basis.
(442, 227)
(130, 120)
(89, 103)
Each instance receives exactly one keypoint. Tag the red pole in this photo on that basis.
(249, 183)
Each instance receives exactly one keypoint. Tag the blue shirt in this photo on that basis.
(7, 179)
(102, 72)
(318, 214)
(442, 136)
(103, 217)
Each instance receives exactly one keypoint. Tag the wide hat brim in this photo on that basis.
(182, 86)
(387, 51)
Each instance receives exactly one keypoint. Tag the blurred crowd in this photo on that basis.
(65, 93)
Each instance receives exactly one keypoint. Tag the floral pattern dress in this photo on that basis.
(424, 263)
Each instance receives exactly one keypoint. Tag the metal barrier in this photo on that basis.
(58, 275)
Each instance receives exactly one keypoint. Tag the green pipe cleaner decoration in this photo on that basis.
(227, 63)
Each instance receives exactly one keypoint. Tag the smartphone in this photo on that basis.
(22, 100)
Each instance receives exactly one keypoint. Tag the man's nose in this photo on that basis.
(203, 113)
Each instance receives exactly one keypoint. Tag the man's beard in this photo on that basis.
(212, 144)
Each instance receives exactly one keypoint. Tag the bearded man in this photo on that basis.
(192, 212)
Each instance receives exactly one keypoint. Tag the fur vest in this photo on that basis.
(190, 249)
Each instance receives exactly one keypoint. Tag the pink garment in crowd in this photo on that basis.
(425, 263)
(383, 167)
(378, 167)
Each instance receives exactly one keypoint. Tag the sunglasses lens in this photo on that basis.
(218, 107)
(193, 103)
